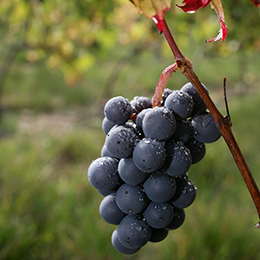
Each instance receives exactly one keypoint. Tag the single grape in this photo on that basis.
(178, 219)
(205, 129)
(166, 93)
(103, 174)
(169, 146)
(178, 159)
(106, 192)
(118, 110)
(120, 141)
(158, 235)
(140, 103)
(199, 105)
(180, 103)
(109, 210)
(107, 125)
(131, 199)
(133, 231)
(183, 131)
(185, 193)
(160, 187)
(197, 149)
(159, 123)
(131, 125)
(119, 247)
(105, 152)
(129, 173)
(139, 119)
(158, 215)
(149, 155)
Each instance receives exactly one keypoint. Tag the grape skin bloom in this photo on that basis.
(118, 110)
(159, 123)
(149, 155)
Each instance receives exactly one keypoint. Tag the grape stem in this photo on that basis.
(226, 102)
(223, 123)
(165, 76)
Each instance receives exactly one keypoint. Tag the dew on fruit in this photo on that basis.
(139, 228)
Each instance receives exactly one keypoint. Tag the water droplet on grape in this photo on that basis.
(138, 228)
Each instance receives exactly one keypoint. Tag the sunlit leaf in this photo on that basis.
(154, 9)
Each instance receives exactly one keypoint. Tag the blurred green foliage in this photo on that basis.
(73, 36)
(50, 133)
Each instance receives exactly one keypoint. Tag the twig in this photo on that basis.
(226, 103)
(165, 76)
(223, 123)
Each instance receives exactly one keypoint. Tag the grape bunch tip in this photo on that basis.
(143, 169)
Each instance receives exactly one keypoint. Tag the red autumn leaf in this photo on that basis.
(216, 4)
(255, 2)
(191, 6)
(154, 9)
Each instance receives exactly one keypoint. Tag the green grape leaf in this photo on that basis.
(154, 9)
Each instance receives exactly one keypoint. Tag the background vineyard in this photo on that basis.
(59, 63)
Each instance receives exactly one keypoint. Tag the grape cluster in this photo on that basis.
(142, 171)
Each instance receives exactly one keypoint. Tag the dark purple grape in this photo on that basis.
(131, 199)
(106, 192)
(158, 235)
(197, 149)
(119, 247)
(133, 231)
(180, 103)
(178, 219)
(158, 215)
(159, 123)
(199, 105)
(149, 155)
(185, 193)
(178, 160)
(118, 110)
(120, 141)
(109, 210)
(105, 152)
(183, 131)
(129, 173)
(166, 93)
(160, 187)
(107, 125)
(139, 119)
(205, 129)
(103, 174)
(140, 103)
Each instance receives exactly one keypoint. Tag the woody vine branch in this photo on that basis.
(223, 123)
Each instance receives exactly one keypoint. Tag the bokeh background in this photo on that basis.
(60, 61)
